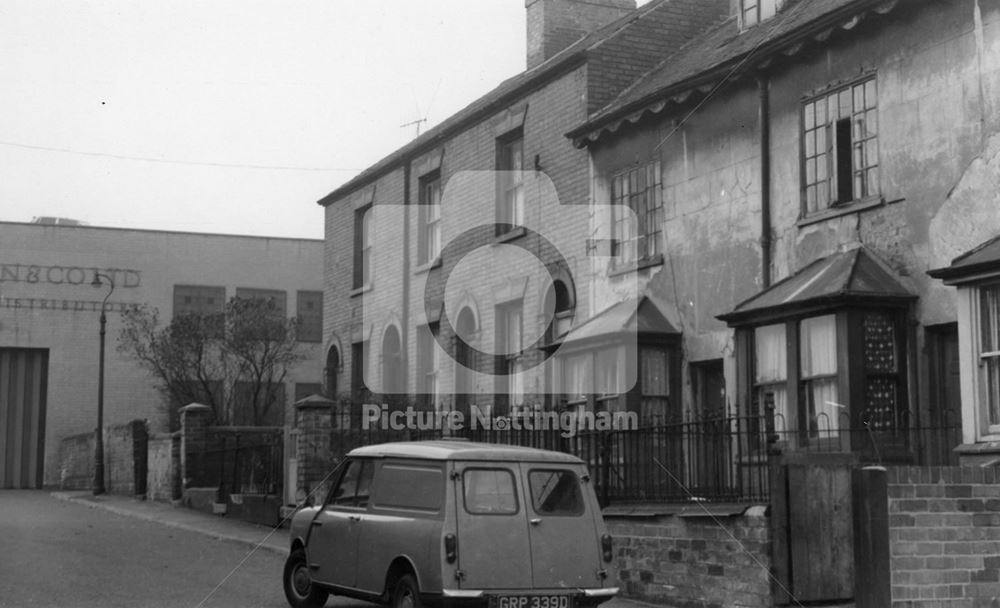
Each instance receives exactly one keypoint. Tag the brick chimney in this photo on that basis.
(553, 25)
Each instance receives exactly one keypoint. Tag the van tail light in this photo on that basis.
(450, 548)
(606, 547)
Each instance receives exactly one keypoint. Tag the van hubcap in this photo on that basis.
(301, 581)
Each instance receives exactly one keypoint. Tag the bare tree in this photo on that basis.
(234, 362)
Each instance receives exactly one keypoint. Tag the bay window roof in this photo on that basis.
(635, 318)
(984, 258)
(856, 276)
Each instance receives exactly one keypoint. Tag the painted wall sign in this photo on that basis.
(53, 304)
(67, 275)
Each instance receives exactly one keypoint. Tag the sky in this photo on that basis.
(228, 116)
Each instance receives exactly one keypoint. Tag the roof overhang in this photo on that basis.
(632, 321)
(695, 86)
(981, 262)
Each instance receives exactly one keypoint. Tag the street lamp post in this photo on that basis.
(99, 438)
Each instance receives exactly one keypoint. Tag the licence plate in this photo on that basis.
(531, 601)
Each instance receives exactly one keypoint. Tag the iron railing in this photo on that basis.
(719, 459)
(243, 460)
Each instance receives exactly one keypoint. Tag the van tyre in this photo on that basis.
(405, 593)
(300, 591)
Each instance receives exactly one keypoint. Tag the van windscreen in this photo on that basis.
(555, 492)
(489, 491)
(410, 487)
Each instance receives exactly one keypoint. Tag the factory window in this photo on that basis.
(309, 315)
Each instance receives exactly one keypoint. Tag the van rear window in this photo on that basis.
(409, 487)
(555, 492)
(489, 491)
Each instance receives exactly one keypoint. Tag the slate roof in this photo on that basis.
(854, 274)
(984, 257)
(621, 51)
(722, 52)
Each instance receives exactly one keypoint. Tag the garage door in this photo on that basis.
(23, 379)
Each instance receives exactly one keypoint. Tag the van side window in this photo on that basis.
(555, 492)
(489, 491)
(410, 487)
(352, 491)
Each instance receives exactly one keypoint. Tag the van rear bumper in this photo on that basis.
(480, 593)
(480, 598)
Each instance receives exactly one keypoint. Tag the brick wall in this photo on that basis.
(76, 462)
(682, 561)
(944, 536)
(122, 444)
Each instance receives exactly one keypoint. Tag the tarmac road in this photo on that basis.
(59, 553)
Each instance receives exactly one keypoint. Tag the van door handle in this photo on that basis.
(535, 521)
(316, 522)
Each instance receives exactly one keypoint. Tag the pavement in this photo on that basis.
(253, 536)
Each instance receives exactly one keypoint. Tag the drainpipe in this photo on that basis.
(404, 339)
(765, 178)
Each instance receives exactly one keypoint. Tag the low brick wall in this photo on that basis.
(76, 462)
(944, 535)
(124, 459)
(692, 560)
(163, 475)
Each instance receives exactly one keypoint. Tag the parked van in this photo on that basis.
(453, 523)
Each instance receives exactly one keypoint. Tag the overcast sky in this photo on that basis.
(227, 116)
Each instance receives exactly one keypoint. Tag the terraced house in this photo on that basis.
(781, 198)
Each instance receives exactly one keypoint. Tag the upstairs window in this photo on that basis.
(429, 236)
(510, 181)
(639, 189)
(753, 12)
(362, 247)
(840, 146)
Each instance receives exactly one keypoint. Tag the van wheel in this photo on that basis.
(300, 591)
(405, 593)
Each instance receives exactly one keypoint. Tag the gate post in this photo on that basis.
(872, 579)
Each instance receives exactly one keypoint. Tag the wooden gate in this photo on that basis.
(23, 382)
(813, 531)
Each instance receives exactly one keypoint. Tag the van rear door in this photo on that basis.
(493, 547)
(565, 547)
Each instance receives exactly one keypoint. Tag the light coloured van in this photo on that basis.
(453, 523)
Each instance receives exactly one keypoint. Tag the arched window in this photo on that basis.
(392, 362)
(331, 370)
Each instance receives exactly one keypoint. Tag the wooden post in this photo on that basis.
(872, 582)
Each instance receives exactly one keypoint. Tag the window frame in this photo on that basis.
(761, 10)
(509, 376)
(510, 204)
(363, 247)
(312, 329)
(429, 218)
(983, 358)
(428, 376)
(821, 195)
(646, 203)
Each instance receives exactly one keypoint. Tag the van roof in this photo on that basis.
(462, 450)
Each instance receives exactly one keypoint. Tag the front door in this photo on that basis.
(565, 548)
(491, 511)
(333, 542)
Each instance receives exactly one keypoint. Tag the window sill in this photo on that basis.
(856, 206)
(357, 291)
(656, 260)
(428, 266)
(514, 233)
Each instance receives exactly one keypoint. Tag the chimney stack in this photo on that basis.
(553, 25)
